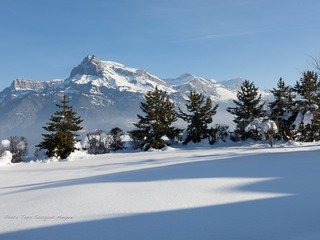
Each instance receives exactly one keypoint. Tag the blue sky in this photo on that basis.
(259, 40)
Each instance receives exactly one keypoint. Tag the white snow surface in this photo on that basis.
(5, 158)
(5, 143)
(225, 191)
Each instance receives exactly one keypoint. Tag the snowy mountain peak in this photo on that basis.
(113, 75)
(186, 76)
(91, 65)
(233, 84)
(182, 79)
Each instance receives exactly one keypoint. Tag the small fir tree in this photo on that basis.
(153, 128)
(199, 117)
(283, 110)
(248, 107)
(62, 127)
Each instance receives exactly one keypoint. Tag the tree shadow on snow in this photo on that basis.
(245, 220)
(292, 217)
(291, 171)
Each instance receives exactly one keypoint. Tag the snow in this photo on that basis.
(224, 191)
(262, 125)
(5, 143)
(5, 158)
(225, 95)
(307, 118)
(303, 118)
(181, 80)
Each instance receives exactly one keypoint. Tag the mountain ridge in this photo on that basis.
(105, 93)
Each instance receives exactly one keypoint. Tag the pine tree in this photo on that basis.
(199, 116)
(282, 110)
(309, 112)
(62, 128)
(248, 107)
(155, 126)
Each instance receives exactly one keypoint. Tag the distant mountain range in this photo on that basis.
(105, 94)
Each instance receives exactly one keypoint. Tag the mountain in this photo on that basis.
(216, 90)
(233, 84)
(105, 94)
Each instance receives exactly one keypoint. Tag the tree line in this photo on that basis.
(294, 111)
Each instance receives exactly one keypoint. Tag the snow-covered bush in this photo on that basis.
(97, 142)
(18, 146)
(266, 127)
(100, 142)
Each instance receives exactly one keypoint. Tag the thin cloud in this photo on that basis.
(220, 35)
(213, 36)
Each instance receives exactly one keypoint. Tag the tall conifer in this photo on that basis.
(155, 125)
(62, 127)
(248, 107)
(308, 119)
(200, 115)
(283, 110)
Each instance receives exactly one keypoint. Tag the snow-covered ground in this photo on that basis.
(225, 191)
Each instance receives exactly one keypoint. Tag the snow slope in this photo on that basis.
(219, 192)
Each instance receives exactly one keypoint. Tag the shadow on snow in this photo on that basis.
(294, 217)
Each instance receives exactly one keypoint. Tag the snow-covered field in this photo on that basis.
(217, 192)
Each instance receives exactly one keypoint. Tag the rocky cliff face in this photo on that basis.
(91, 65)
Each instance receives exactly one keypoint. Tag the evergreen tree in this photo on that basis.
(282, 110)
(248, 107)
(62, 128)
(199, 116)
(155, 126)
(308, 119)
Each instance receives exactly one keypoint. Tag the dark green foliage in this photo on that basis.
(308, 87)
(219, 132)
(116, 135)
(199, 116)
(248, 107)
(156, 124)
(62, 128)
(308, 106)
(283, 111)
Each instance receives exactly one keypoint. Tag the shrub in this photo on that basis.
(220, 132)
(116, 137)
(97, 142)
(18, 146)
